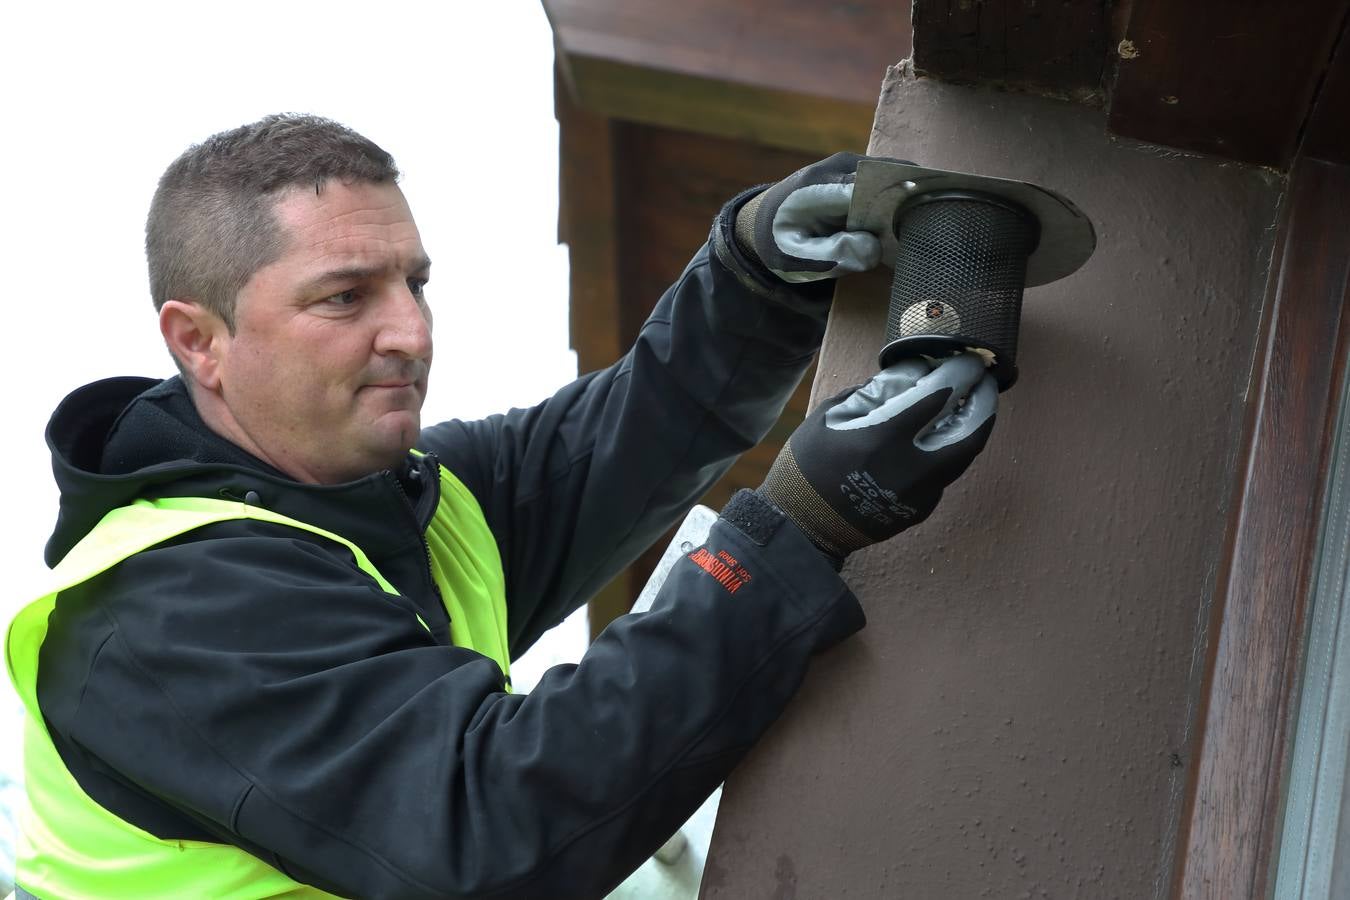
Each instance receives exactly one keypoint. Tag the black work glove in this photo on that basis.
(795, 228)
(873, 460)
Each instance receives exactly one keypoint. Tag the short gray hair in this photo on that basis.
(211, 222)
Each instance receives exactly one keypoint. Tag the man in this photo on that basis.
(275, 657)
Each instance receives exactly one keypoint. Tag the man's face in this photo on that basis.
(326, 372)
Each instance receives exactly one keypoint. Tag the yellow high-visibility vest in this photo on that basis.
(70, 846)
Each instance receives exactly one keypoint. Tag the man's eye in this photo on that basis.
(346, 298)
(417, 286)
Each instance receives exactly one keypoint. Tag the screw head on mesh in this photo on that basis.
(964, 247)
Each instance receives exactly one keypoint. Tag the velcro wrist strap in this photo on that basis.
(753, 515)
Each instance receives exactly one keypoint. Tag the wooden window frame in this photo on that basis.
(1233, 810)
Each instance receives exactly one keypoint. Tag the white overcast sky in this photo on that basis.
(100, 97)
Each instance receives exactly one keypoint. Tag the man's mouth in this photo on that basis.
(412, 376)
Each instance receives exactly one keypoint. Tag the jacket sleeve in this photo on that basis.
(260, 684)
(576, 487)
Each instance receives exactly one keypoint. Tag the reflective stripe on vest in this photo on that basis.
(69, 845)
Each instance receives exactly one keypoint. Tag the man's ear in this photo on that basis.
(197, 338)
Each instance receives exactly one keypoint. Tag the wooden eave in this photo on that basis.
(782, 73)
(1232, 79)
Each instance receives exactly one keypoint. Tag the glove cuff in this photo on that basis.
(745, 226)
(812, 298)
(787, 489)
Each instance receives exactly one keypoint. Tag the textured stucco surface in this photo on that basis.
(1015, 719)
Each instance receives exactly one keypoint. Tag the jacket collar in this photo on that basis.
(119, 439)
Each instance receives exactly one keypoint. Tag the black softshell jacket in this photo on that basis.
(248, 683)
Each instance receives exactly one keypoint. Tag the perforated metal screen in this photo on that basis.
(960, 270)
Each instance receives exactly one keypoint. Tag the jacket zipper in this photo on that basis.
(421, 533)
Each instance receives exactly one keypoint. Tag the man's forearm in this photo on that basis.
(576, 487)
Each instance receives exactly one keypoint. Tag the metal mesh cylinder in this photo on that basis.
(959, 276)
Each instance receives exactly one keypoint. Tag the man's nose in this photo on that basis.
(406, 326)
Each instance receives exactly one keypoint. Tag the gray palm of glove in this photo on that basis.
(796, 228)
(874, 460)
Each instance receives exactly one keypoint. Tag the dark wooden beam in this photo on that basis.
(588, 224)
(1056, 49)
(838, 51)
(1232, 812)
(1234, 78)
(1327, 136)
(786, 73)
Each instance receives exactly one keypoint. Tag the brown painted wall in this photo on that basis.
(1014, 721)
